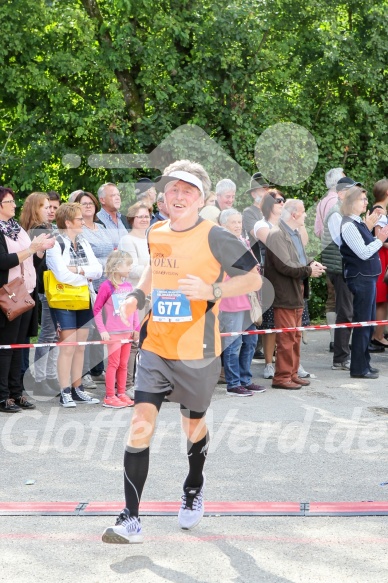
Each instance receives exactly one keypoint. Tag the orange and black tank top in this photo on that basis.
(176, 328)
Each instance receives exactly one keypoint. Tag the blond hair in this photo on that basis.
(115, 259)
(67, 212)
(29, 217)
(351, 196)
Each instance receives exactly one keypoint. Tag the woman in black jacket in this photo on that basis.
(16, 248)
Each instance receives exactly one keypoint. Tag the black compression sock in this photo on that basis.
(136, 462)
(196, 453)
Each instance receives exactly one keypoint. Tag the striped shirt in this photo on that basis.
(351, 236)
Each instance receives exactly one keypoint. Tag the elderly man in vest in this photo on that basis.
(288, 269)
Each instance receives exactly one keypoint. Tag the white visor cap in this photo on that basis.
(162, 181)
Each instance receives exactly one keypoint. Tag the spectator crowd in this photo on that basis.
(98, 252)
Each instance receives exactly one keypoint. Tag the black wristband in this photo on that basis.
(140, 296)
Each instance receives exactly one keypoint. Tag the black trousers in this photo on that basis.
(344, 310)
(14, 332)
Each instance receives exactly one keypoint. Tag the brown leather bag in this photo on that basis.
(14, 298)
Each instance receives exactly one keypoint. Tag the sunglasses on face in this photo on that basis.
(279, 200)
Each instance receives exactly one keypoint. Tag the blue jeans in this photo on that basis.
(45, 361)
(364, 308)
(237, 352)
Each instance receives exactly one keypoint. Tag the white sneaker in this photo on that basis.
(80, 396)
(66, 400)
(88, 382)
(269, 371)
(127, 530)
(302, 374)
(192, 508)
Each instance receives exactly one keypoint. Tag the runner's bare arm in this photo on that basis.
(146, 280)
(129, 306)
(195, 288)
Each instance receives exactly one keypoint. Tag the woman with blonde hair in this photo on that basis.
(34, 219)
(34, 211)
(361, 268)
(210, 211)
(99, 237)
(73, 262)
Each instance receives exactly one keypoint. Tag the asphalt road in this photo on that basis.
(327, 442)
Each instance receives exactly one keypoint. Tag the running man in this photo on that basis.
(179, 339)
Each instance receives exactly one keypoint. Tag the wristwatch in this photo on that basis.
(217, 291)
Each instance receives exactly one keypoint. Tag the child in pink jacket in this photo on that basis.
(110, 295)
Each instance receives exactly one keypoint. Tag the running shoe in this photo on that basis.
(302, 374)
(80, 396)
(255, 388)
(269, 371)
(192, 507)
(126, 400)
(88, 382)
(127, 530)
(113, 403)
(239, 392)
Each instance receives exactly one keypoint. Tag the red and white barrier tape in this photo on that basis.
(246, 333)
(309, 328)
(53, 344)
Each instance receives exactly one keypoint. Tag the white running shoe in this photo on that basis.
(303, 374)
(80, 396)
(127, 530)
(192, 508)
(88, 382)
(269, 371)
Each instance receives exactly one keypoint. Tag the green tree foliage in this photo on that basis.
(117, 76)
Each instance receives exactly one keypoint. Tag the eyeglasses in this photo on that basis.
(279, 200)
(78, 219)
(8, 202)
(142, 217)
(87, 204)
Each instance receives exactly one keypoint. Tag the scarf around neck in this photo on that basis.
(10, 228)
